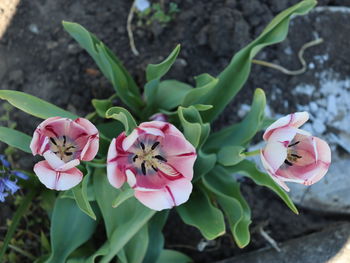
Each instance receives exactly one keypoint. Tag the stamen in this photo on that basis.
(160, 158)
(53, 141)
(290, 145)
(70, 147)
(64, 140)
(68, 153)
(154, 145)
(154, 168)
(142, 145)
(143, 168)
(134, 158)
(295, 155)
(288, 162)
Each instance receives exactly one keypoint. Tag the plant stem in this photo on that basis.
(16, 219)
(252, 153)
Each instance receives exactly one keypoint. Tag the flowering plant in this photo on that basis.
(118, 166)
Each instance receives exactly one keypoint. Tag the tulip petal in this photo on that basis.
(57, 164)
(274, 154)
(91, 148)
(165, 127)
(292, 120)
(87, 125)
(56, 180)
(116, 176)
(175, 193)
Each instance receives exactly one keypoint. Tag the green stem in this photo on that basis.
(252, 153)
(16, 219)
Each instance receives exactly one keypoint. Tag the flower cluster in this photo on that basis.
(8, 179)
(157, 161)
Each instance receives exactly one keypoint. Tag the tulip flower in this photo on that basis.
(63, 143)
(156, 161)
(292, 154)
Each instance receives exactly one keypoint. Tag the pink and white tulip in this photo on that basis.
(156, 161)
(63, 143)
(292, 154)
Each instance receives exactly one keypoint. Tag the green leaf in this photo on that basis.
(231, 155)
(157, 71)
(204, 163)
(81, 195)
(136, 249)
(109, 64)
(199, 212)
(204, 84)
(122, 115)
(243, 132)
(15, 139)
(249, 169)
(123, 196)
(195, 131)
(173, 256)
(33, 105)
(229, 196)
(101, 106)
(70, 228)
(232, 79)
(110, 130)
(155, 227)
(21, 210)
(171, 93)
(121, 225)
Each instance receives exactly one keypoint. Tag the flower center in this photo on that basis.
(292, 155)
(147, 158)
(63, 148)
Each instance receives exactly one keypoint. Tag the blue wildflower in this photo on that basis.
(8, 184)
(4, 161)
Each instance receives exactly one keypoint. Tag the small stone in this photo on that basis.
(318, 126)
(243, 110)
(313, 107)
(331, 105)
(73, 49)
(34, 28)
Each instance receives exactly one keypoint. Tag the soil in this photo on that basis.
(38, 57)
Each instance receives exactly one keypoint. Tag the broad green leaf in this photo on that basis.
(195, 131)
(121, 224)
(232, 79)
(229, 196)
(110, 130)
(70, 228)
(151, 89)
(171, 93)
(243, 132)
(15, 139)
(204, 84)
(122, 115)
(123, 196)
(157, 71)
(101, 106)
(155, 226)
(230, 155)
(173, 256)
(33, 105)
(250, 170)
(81, 195)
(199, 212)
(108, 63)
(136, 249)
(204, 163)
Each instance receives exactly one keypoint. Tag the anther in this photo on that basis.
(134, 158)
(68, 153)
(290, 145)
(53, 141)
(70, 147)
(288, 162)
(154, 145)
(64, 140)
(154, 168)
(142, 145)
(295, 155)
(143, 168)
(160, 158)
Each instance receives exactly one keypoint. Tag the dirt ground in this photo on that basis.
(38, 57)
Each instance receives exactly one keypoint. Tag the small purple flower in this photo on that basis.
(20, 175)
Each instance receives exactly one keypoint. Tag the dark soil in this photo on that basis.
(48, 63)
